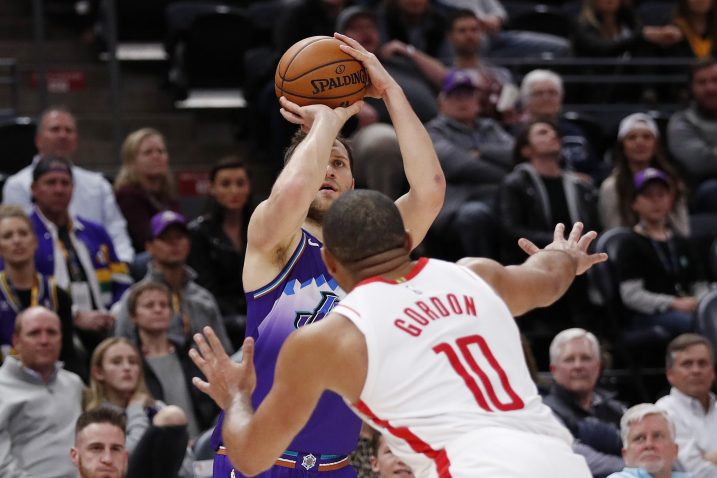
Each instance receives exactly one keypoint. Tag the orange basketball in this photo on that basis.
(316, 71)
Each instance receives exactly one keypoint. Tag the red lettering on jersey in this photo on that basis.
(439, 306)
(411, 330)
(455, 305)
(418, 318)
(470, 305)
(426, 310)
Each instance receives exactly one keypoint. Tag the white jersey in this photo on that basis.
(447, 381)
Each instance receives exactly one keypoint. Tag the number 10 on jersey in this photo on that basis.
(461, 346)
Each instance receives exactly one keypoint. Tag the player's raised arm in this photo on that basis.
(329, 355)
(420, 206)
(278, 218)
(545, 276)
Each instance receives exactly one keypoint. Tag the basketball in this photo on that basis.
(316, 71)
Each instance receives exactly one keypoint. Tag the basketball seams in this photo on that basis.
(294, 57)
(284, 78)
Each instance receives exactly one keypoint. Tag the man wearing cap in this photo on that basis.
(92, 198)
(193, 306)
(660, 280)
(77, 252)
(475, 154)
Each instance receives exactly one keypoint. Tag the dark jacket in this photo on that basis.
(524, 209)
(218, 265)
(138, 207)
(598, 427)
(589, 41)
(205, 409)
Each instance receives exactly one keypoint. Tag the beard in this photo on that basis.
(87, 473)
(317, 211)
(653, 467)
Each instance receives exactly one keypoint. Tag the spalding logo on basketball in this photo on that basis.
(316, 71)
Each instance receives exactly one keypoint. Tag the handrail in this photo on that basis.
(592, 61)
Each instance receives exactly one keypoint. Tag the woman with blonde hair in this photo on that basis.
(156, 433)
(144, 184)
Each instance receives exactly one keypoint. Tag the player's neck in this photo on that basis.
(390, 265)
(314, 228)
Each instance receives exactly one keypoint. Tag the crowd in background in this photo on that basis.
(113, 279)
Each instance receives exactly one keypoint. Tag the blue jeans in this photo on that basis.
(674, 321)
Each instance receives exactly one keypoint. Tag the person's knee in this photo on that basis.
(169, 416)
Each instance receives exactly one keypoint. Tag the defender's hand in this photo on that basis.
(576, 245)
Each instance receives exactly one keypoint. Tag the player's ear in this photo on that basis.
(408, 241)
(329, 260)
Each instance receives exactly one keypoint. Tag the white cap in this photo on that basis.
(635, 121)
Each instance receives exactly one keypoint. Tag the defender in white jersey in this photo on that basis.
(426, 351)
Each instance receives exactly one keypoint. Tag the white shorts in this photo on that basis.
(506, 453)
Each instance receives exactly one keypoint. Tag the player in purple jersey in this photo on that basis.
(287, 283)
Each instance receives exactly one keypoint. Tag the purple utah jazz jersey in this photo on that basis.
(301, 294)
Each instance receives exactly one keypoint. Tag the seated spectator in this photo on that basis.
(474, 153)
(384, 463)
(219, 242)
(498, 42)
(690, 369)
(166, 363)
(21, 286)
(532, 198)
(612, 28)
(361, 458)
(637, 148)
(591, 414)
(661, 282)
(144, 184)
(415, 23)
(156, 433)
(541, 93)
(464, 36)
(92, 199)
(692, 137)
(99, 449)
(650, 451)
(697, 21)
(79, 254)
(193, 306)
(39, 401)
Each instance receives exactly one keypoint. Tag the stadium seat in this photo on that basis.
(592, 128)
(17, 142)
(543, 19)
(707, 317)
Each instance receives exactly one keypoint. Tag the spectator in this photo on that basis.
(384, 463)
(692, 137)
(498, 42)
(167, 366)
(99, 449)
(193, 306)
(590, 413)
(661, 282)
(93, 198)
(612, 28)
(78, 253)
(650, 451)
(535, 195)
(637, 148)
(21, 286)
(156, 433)
(39, 401)
(219, 242)
(541, 93)
(464, 37)
(697, 21)
(475, 156)
(144, 184)
(415, 23)
(305, 18)
(689, 364)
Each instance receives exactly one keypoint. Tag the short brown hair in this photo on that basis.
(103, 414)
(139, 289)
(300, 135)
(683, 342)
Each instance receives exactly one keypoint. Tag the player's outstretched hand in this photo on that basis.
(380, 78)
(576, 245)
(305, 116)
(225, 379)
